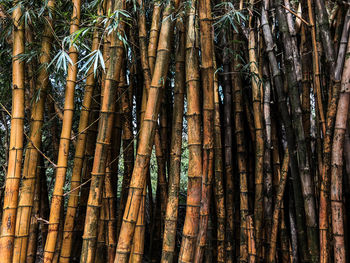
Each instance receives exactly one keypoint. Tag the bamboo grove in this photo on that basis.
(174, 131)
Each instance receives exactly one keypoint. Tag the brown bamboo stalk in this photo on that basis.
(86, 175)
(277, 208)
(228, 159)
(207, 79)
(252, 252)
(286, 254)
(190, 230)
(110, 195)
(128, 151)
(103, 140)
(259, 150)
(304, 166)
(146, 140)
(171, 215)
(327, 147)
(44, 206)
(64, 142)
(286, 118)
(13, 176)
(59, 236)
(219, 193)
(34, 223)
(337, 165)
(241, 153)
(137, 250)
(154, 35)
(101, 250)
(316, 68)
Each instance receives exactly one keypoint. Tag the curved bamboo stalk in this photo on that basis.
(171, 215)
(337, 165)
(277, 209)
(57, 197)
(13, 176)
(146, 139)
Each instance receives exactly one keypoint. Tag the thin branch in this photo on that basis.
(298, 16)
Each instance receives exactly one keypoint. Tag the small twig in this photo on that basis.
(36, 148)
(65, 194)
(41, 219)
(298, 16)
(47, 158)
(73, 138)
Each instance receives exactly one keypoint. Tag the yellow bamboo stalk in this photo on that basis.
(13, 176)
(32, 155)
(57, 197)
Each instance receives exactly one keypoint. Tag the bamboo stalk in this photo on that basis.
(277, 208)
(32, 156)
(146, 140)
(13, 176)
(191, 224)
(207, 80)
(103, 140)
(171, 215)
(78, 159)
(55, 211)
(337, 165)
(259, 150)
